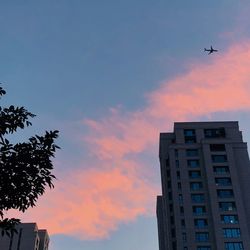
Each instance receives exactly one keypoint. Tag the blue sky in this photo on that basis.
(88, 68)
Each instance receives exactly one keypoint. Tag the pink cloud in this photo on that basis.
(92, 202)
(88, 204)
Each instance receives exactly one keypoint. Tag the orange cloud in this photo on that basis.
(91, 202)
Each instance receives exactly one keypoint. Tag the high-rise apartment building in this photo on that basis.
(28, 237)
(205, 201)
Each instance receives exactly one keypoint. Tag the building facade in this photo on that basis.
(205, 175)
(28, 237)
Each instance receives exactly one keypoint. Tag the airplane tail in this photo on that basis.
(204, 49)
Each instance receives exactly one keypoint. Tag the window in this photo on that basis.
(170, 197)
(189, 135)
(178, 174)
(172, 219)
(179, 186)
(229, 219)
(169, 184)
(200, 223)
(199, 210)
(189, 132)
(203, 248)
(167, 163)
(227, 206)
(171, 207)
(177, 163)
(174, 245)
(193, 163)
(219, 158)
(194, 174)
(223, 181)
(168, 173)
(201, 237)
(192, 152)
(190, 140)
(231, 232)
(184, 237)
(180, 199)
(173, 232)
(221, 169)
(196, 186)
(217, 147)
(214, 133)
(181, 210)
(176, 153)
(197, 198)
(225, 193)
(234, 246)
(183, 224)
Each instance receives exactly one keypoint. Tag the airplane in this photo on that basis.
(211, 50)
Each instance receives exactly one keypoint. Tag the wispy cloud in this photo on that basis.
(116, 186)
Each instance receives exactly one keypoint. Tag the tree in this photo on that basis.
(25, 167)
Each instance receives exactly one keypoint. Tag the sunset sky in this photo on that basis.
(110, 76)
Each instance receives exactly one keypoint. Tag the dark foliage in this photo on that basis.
(25, 168)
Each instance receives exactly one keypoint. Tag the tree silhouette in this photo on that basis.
(25, 168)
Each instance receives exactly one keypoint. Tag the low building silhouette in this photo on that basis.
(28, 237)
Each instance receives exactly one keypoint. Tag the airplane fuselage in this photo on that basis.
(211, 50)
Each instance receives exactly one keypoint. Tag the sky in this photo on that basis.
(110, 76)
